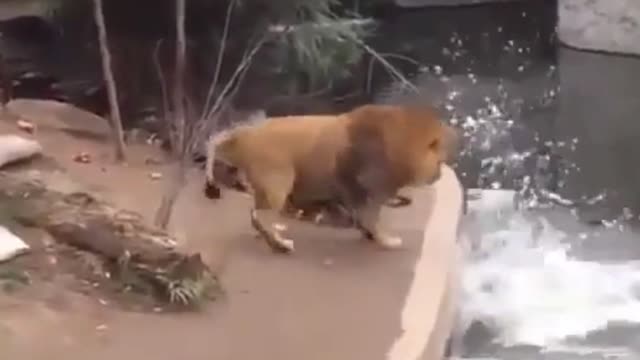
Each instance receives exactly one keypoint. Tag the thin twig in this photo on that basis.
(397, 74)
(221, 51)
(208, 121)
(398, 56)
(163, 81)
(238, 72)
(240, 78)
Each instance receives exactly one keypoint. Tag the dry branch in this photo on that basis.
(179, 136)
(115, 118)
(119, 237)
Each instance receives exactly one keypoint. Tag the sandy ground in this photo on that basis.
(338, 297)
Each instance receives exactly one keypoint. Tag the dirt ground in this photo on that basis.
(58, 308)
(347, 292)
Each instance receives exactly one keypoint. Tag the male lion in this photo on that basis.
(329, 212)
(359, 159)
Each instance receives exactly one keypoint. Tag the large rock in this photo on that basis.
(606, 25)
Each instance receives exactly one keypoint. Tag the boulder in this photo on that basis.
(604, 25)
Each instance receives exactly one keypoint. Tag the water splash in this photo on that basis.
(522, 282)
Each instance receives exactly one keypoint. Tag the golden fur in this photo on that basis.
(359, 159)
(328, 211)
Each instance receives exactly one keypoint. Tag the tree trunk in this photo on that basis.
(176, 181)
(178, 94)
(183, 135)
(5, 84)
(120, 237)
(115, 118)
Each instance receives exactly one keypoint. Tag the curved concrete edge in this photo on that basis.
(428, 314)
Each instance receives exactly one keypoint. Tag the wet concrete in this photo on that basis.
(598, 104)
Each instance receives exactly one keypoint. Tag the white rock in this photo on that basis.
(605, 25)
(10, 245)
(14, 148)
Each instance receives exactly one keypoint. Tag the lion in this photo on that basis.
(326, 212)
(359, 159)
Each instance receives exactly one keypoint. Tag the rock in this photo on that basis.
(605, 25)
(14, 148)
(10, 245)
(82, 157)
(152, 161)
(26, 126)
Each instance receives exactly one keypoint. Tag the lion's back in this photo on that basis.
(291, 139)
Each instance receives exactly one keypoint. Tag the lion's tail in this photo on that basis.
(220, 145)
(217, 141)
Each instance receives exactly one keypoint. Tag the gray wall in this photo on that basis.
(599, 103)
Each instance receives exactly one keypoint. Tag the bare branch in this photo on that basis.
(178, 93)
(244, 64)
(398, 56)
(393, 71)
(163, 214)
(115, 118)
(163, 81)
(221, 51)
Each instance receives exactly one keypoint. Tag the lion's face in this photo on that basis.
(428, 167)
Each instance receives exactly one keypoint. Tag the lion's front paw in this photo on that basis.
(287, 244)
(282, 244)
(389, 242)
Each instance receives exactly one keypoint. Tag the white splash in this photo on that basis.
(521, 281)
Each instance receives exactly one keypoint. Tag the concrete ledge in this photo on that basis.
(364, 304)
(428, 313)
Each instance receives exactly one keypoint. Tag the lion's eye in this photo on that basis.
(434, 145)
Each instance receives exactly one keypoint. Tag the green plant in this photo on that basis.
(318, 43)
(12, 279)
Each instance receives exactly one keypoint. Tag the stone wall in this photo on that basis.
(606, 25)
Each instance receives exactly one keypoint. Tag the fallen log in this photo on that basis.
(138, 252)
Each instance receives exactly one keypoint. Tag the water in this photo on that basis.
(543, 283)
(534, 295)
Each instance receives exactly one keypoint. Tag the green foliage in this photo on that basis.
(188, 292)
(318, 42)
(309, 37)
(12, 279)
(170, 284)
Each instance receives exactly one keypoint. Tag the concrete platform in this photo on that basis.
(337, 297)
